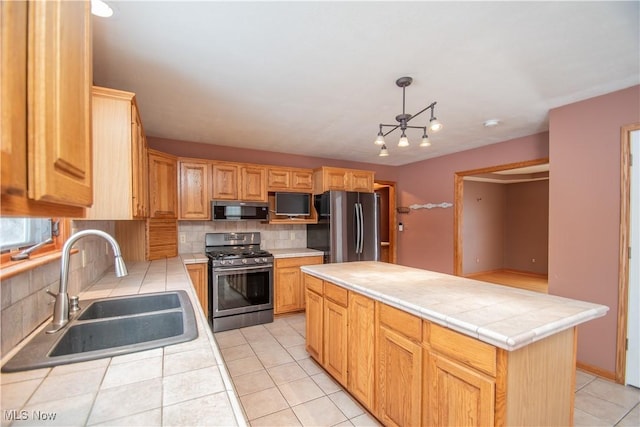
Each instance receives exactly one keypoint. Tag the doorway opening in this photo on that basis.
(501, 219)
(388, 236)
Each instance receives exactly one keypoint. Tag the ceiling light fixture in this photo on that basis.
(491, 123)
(101, 9)
(403, 120)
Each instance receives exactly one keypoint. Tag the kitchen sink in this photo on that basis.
(130, 305)
(110, 327)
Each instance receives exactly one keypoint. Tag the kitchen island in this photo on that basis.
(445, 350)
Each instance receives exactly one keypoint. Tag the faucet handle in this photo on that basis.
(51, 293)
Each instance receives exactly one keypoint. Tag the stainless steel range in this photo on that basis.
(240, 281)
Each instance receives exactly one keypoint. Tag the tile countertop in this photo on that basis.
(184, 384)
(294, 252)
(506, 317)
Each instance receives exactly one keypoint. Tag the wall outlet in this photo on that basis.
(183, 238)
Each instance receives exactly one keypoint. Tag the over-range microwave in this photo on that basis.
(238, 211)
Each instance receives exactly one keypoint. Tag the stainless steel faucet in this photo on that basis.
(61, 306)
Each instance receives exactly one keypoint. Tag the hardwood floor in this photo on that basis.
(517, 279)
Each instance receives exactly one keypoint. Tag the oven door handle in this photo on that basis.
(255, 267)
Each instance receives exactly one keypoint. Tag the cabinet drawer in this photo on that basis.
(336, 294)
(470, 351)
(401, 322)
(313, 284)
(298, 261)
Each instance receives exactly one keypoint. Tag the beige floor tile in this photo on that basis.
(607, 411)
(582, 419)
(298, 352)
(254, 333)
(346, 423)
(300, 391)
(210, 410)
(349, 407)
(632, 419)
(285, 417)
(275, 357)
(291, 340)
(582, 379)
(229, 338)
(365, 420)
(253, 382)
(286, 373)
(237, 352)
(627, 397)
(326, 383)
(265, 344)
(319, 412)
(263, 403)
(310, 366)
(244, 366)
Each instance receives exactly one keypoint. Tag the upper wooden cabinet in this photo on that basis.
(163, 178)
(237, 181)
(225, 181)
(46, 111)
(329, 178)
(120, 158)
(289, 179)
(253, 183)
(194, 189)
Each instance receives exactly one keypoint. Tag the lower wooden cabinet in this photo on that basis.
(314, 325)
(288, 286)
(361, 349)
(458, 394)
(198, 275)
(335, 339)
(400, 382)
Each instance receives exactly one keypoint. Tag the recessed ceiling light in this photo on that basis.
(101, 9)
(491, 123)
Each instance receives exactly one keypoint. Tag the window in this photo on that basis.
(17, 233)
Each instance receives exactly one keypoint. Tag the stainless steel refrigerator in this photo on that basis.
(348, 227)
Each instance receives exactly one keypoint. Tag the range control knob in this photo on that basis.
(244, 261)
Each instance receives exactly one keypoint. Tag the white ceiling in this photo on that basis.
(316, 78)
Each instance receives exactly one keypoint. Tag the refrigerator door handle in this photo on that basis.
(356, 227)
(361, 227)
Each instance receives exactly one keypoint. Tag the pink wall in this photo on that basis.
(584, 208)
(427, 239)
(235, 154)
(527, 227)
(505, 226)
(483, 226)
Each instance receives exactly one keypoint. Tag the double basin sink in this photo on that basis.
(111, 327)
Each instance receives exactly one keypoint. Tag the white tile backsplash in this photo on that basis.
(273, 236)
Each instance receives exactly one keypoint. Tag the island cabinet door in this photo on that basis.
(400, 379)
(314, 315)
(361, 349)
(335, 340)
(458, 395)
